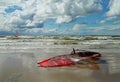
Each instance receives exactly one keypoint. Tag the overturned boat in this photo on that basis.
(75, 57)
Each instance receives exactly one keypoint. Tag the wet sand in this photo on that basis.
(19, 64)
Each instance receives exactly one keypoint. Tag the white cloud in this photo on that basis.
(100, 30)
(102, 21)
(65, 10)
(46, 30)
(108, 19)
(114, 8)
(40, 31)
(61, 19)
(3, 26)
(111, 18)
(35, 12)
(33, 31)
(77, 27)
(115, 27)
(107, 28)
(116, 22)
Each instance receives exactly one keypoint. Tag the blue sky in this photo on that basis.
(60, 17)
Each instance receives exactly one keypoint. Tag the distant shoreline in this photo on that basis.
(57, 35)
(74, 38)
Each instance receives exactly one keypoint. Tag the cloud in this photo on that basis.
(33, 13)
(114, 8)
(108, 19)
(65, 11)
(107, 30)
(116, 22)
(97, 30)
(35, 31)
(77, 27)
(3, 27)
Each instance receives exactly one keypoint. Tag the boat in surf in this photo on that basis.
(75, 57)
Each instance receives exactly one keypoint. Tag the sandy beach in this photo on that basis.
(19, 57)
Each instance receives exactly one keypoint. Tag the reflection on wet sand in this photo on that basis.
(10, 68)
(21, 68)
(89, 64)
(110, 71)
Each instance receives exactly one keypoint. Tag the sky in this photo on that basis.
(60, 17)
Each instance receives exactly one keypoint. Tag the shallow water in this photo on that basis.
(18, 63)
